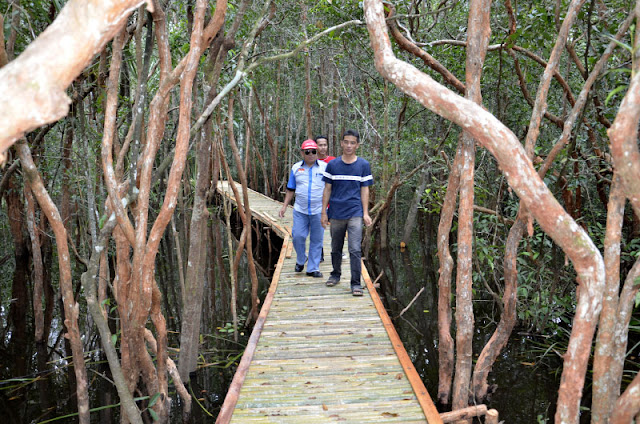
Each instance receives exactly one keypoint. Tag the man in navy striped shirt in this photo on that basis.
(305, 180)
(347, 180)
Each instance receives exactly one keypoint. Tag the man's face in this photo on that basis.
(349, 144)
(310, 155)
(323, 146)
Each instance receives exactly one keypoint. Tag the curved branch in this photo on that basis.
(107, 141)
(35, 94)
(428, 60)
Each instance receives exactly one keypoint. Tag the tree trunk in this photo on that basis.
(446, 343)
(246, 220)
(273, 148)
(19, 306)
(410, 222)
(71, 308)
(607, 361)
(478, 40)
(194, 284)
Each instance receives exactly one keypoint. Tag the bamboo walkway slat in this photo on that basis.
(318, 354)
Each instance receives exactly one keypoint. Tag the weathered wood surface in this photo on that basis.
(322, 355)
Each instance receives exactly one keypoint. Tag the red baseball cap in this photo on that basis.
(309, 144)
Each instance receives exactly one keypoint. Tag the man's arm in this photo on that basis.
(364, 197)
(287, 200)
(326, 194)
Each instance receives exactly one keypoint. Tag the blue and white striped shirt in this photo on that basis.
(346, 179)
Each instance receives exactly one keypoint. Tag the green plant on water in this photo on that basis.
(228, 328)
(115, 405)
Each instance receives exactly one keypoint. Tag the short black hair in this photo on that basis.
(318, 137)
(353, 133)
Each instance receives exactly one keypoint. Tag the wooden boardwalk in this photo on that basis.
(318, 354)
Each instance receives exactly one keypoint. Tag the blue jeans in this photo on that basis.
(339, 228)
(307, 226)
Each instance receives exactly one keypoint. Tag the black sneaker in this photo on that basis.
(299, 267)
(315, 274)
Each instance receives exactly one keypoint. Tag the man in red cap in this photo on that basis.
(305, 180)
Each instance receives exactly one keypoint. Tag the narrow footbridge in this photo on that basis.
(318, 354)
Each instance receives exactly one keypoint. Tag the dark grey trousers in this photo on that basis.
(340, 228)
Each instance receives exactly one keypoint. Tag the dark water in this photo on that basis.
(526, 382)
(525, 379)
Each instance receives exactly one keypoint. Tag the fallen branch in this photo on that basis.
(411, 303)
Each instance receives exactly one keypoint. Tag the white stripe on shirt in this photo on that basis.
(348, 177)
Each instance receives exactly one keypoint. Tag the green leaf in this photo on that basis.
(154, 399)
(114, 339)
(613, 93)
(619, 71)
(154, 415)
(621, 44)
(102, 220)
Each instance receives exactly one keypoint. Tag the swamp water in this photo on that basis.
(525, 386)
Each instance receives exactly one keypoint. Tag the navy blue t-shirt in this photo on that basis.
(346, 179)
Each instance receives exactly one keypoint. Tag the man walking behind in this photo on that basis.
(305, 180)
(323, 148)
(347, 180)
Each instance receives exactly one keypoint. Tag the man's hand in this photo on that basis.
(282, 211)
(324, 220)
(367, 220)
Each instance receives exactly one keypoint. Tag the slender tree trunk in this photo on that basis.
(39, 300)
(194, 284)
(606, 363)
(478, 40)
(410, 222)
(246, 221)
(307, 77)
(70, 306)
(233, 276)
(19, 306)
(273, 148)
(446, 343)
